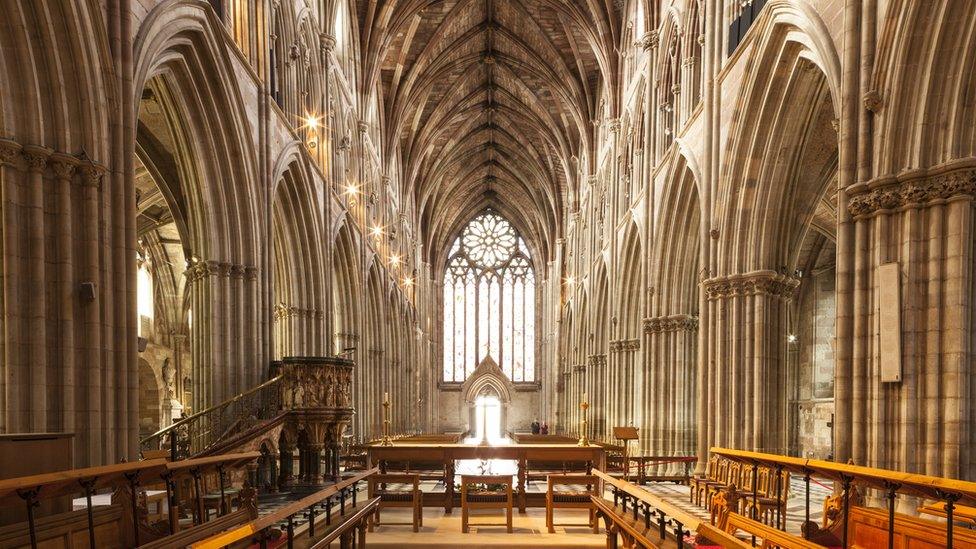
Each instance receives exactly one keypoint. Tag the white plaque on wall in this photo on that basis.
(889, 282)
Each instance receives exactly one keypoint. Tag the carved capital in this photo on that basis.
(670, 323)
(63, 165)
(613, 125)
(754, 283)
(912, 189)
(36, 157)
(8, 151)
(92, 174)
(650, 40)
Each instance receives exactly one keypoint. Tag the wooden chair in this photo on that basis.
(766, 502)
(575, 499)
(410, 498)
(473, 497)
(697, 482)
(729, 474)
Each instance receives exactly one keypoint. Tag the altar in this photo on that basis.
(438, 461)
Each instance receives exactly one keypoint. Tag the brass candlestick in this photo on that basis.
(386, 422)
(583, 441)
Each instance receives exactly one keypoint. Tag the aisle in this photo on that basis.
(442, 531)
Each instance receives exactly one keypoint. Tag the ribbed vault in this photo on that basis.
(489, 103)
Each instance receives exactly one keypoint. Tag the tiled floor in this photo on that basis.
(795, 506)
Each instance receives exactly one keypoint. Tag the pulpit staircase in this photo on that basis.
(241, 422)
(220, 427)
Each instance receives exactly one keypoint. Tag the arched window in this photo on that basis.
(489, 301)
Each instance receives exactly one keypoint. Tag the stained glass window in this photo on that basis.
(489, 301)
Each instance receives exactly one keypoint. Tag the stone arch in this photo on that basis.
(297, 237)
(179, 55)
(930, 44)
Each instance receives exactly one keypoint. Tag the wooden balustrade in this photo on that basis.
(317, 508)
(123, 523)
(845, 517)
(640, 518)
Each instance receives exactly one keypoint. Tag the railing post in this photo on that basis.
(30, 498)
(679, 534)
(892, 494)
(174, 439)
(806, 482)
(89, 486)
(311, 521)
(291, 532)
(847, 504)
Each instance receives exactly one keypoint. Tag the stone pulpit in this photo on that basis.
(316, 394)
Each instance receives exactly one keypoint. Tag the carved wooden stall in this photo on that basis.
(865, 526)
(125, 522)
(578, 458)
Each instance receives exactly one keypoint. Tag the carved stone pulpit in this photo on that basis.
(316, 393)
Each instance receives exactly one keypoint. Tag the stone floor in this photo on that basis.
(442, 531)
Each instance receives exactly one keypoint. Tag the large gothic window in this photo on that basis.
(489, 301)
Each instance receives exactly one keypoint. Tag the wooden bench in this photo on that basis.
(869, 529)
(411, 499)
(576, 499)
(247, 512)
(474, 498)
(960, 513)
(732, 523)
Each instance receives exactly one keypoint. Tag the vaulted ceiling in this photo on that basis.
(489, 103)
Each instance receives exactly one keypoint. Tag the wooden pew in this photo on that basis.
(869, 529)
(247, 511)
(733, 523)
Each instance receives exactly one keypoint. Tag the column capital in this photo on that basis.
(650, 40)
(64, 165)
(92, 173)
(36, 157)
(9, 150)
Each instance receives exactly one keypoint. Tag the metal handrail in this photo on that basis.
(184, 422)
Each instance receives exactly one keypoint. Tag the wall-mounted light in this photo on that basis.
(376, 231)
(312, 122)
(570, 280)
(408, 281)
(395, 260)
(791, 338)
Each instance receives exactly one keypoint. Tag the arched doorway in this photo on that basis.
(488, 418)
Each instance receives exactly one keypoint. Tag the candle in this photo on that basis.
(386, 396)
(584, 397)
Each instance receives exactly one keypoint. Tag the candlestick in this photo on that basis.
(386, 421)
(583, 440)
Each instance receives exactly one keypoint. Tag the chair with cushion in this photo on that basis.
(576, 498)
(486, 492)
(408, 497)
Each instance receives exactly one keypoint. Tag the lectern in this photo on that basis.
(625, 435)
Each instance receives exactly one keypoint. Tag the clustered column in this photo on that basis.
(746, 361)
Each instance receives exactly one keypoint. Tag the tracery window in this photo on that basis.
(489, 301)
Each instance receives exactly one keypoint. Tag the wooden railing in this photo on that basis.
(882, 530)
(641, 518)
(259, 531)
(195, 433)
(125, 480)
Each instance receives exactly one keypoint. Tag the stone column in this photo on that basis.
(13, 398)
(671, 359)
(64, 168)
(90, 307)
(36, 287)
(923, 221)
(746, 391)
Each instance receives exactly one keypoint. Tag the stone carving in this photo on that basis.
(671, 323)
(624, 345)
(169, 378)
(754, 283)
(893, 194)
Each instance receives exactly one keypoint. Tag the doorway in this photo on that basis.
(488, 419)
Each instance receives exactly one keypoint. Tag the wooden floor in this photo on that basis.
(440, 530)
